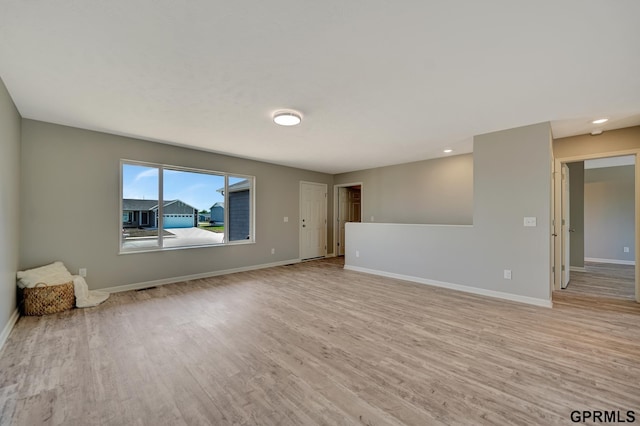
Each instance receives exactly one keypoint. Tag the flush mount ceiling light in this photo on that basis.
(448, 151)
(287, 118)
(600, 121)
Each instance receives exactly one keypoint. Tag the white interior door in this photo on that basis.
(313, 220)
(566, 227)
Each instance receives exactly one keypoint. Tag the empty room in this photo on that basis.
(319, 213)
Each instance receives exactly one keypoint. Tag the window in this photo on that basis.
(166, 207)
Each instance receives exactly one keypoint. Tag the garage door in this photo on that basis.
(178, 221)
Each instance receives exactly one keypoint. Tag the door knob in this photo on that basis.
(572, 230)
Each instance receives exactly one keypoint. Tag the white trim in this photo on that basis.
(156, 249)
(577, 269)
(7, 328)
(474, 290)
(164, 281)
(330, 255)
(614, 261)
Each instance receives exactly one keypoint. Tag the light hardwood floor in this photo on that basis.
(603, 280)
(312, 344)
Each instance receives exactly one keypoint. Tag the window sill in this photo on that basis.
(160, 249)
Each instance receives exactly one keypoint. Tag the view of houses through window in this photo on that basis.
(166, 206)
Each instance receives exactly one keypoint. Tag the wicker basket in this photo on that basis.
(46, 299)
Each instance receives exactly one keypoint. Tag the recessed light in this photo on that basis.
(287, 118)
(600, 121)
(448, 150)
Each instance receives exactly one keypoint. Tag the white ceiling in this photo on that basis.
(378, 82)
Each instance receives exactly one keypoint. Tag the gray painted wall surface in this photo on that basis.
(512, 179)
(9, 203)
(75, 174)
(438, 191)
(609, 141)
(610, 213)
(576, 213)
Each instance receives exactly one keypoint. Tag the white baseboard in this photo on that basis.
(458, 287)
(577, 269)
(7, 328)
(614, 261)
(164, 281)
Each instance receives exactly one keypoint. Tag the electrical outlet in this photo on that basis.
(82, 272)
(626, 249)
(273, 251)
(286, 219)
(373, 219)
(507, 274)
(357, 253)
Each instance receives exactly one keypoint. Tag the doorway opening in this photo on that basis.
(347, 208)
(596, 227)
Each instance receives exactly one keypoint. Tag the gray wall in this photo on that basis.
(512, 179)
(609, 213)
(9, 204)
(609, 141)
(438, 191)
(73, 175)
(576, 213)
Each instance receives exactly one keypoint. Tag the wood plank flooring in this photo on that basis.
(312, 344)
(603, 280)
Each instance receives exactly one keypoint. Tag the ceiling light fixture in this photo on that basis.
(287, 118)
(448, 151)
(600, 121)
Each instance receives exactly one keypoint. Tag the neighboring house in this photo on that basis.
(239, 210)
(144, 213)
(204, 217)
(136, 213)
(217, 213)
(178, 214)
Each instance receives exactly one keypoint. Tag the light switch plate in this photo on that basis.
(529, 221)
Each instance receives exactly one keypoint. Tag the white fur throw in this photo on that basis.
(86, 298)
(53, 274)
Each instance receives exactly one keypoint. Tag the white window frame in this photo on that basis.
(160, 217)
